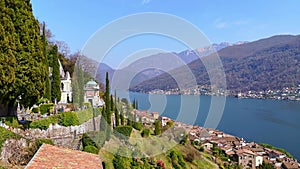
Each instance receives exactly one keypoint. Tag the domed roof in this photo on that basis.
(92, 82)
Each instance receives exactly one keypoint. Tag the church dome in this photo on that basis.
(91, 82)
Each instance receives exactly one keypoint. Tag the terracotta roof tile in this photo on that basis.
(49, 157)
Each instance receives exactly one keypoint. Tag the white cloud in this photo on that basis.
(146, 2)
(219, 23)
(242, 22)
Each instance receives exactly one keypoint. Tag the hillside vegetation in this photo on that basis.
(271, 63)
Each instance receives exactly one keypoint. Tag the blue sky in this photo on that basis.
(75, 21)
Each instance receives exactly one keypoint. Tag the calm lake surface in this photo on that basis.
(268, 121)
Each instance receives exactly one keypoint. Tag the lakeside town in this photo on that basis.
(227, 148)
(287, 93)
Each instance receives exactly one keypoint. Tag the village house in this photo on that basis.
(145, 117)
(207, 145)
(248, 159)
(164, 120)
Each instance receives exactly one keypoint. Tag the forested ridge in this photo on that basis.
(271, 63)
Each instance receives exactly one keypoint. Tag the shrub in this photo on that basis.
(35, 110)
(87, 141)
(40, 141)
(65, 119)
(11, 121)
(145, 133)
(85, 115)
(87, 104)
(201, 149)
(42, 124)
(137, 125)
(184, 140)
(176, 159)
(123, 132)
(69, 119)
(46, 108)
(6, 134)
(91, 149)
(42, 100)
(190, 157)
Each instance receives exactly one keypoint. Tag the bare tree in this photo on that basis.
(63, 47)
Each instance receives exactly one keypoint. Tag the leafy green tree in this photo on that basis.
(22, 69)
(55, 84)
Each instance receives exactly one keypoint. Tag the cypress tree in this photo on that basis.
(48, 83)
(157, 130)
(80, 85)
(111, 103)
(133, 103)
(107, 108)
(55, 84)
(22, 68)
(117, 116)
(107, 100)
(136, 105)
(103, 120)
(122, 119)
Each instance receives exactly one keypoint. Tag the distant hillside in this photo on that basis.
(271, 63)
(157, 64)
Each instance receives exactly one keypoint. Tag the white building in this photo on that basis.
(91, 94)
(66, 86)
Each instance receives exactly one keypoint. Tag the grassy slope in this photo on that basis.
(155, 143)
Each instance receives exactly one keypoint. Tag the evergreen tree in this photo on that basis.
(136, 105)
(122, 118)
(133, 103)
(108, 108)
(48, 83)
(78, 83)
(22, 69)
(111, 103)
(75, 93)
(81, 81)
(103, 120)
(117, 116)
(55, 84)
(157, 130)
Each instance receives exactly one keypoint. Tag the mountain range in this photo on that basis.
(270, 63)
(158, 64)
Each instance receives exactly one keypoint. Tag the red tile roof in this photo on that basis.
(49, 157)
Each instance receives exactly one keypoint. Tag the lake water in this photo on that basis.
(268, 121)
